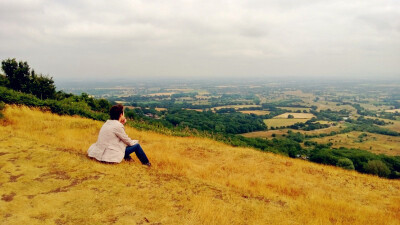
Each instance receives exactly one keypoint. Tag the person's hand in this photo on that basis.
(122, 120)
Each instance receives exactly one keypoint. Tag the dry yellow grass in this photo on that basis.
(278, 122)
(325, 105)
(296, 115)
(266, 134)
(294, 109)
(257, 112)
(376, 143)
(298, 93)
(161, 94)
(234, 106)
(47, 179)
(393, 110)
(160, 109)
(395, 126)
(280, 132)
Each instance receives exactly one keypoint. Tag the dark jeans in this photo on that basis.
(138, 151)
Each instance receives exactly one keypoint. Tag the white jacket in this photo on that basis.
(111, 143)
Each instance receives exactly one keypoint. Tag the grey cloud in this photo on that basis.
(203, 38)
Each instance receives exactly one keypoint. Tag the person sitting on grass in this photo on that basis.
(113, 144)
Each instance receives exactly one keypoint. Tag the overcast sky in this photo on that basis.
(203, 39)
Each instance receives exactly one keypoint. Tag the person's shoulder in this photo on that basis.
(115, 123)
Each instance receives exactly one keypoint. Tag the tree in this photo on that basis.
(345, 163)
(377, 167)
(4, 81)
(21, 78)
(42, 86)
(18, 74)
(290, 116)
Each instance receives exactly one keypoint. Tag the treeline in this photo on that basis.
(359, 160)
(232, 123)
(20, 77)
(330, 115)
(362, 111)
(310, 124)
(74, 105)
(368, 121)
(21, 85)
(178, 101)
(295, 102)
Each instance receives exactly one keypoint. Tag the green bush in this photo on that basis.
(377, 167)
(2, 106)
(345, 163)
(67, 106)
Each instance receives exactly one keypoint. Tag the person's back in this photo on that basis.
(112, 142)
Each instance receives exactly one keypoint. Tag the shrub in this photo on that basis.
(377, 167)
(345, 163)
(2, 106)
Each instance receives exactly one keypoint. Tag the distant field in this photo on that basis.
(323, 105)
(294, 109)
(198, 110)
(278, 133)
(296, 115)
(265, 134)
(395, 126)
(200, 102)
(393, 110)
(278, 122)
(161, 94)
(373, 107)
(324, 122)
(202, 97)
(161, 109)
(234, 106)
(299, 93)
(257, 112)
(376, 143)
(180, 89)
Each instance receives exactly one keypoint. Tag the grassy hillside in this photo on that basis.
(46, 178)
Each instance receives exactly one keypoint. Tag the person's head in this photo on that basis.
(116, 111)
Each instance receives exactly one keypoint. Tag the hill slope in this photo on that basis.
(47, 178)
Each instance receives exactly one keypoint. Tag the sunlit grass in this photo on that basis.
(376, 143)
(256, 112)
(47, 179)
(278, 122)
(296, 115)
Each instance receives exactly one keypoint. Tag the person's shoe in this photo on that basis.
(147, 164)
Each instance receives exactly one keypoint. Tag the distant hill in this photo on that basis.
(46, 178)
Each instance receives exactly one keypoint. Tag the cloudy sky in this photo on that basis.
(203, 39)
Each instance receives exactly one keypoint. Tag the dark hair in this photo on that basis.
(116, 111)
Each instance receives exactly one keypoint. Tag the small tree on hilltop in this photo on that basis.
(17, 74)
(290, 116)
(20, 78)
(377, 167)
(345, 163)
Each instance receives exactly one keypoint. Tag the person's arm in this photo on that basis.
(121, 134)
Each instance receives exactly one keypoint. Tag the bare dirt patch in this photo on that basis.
(9, 197)
(14, 178)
